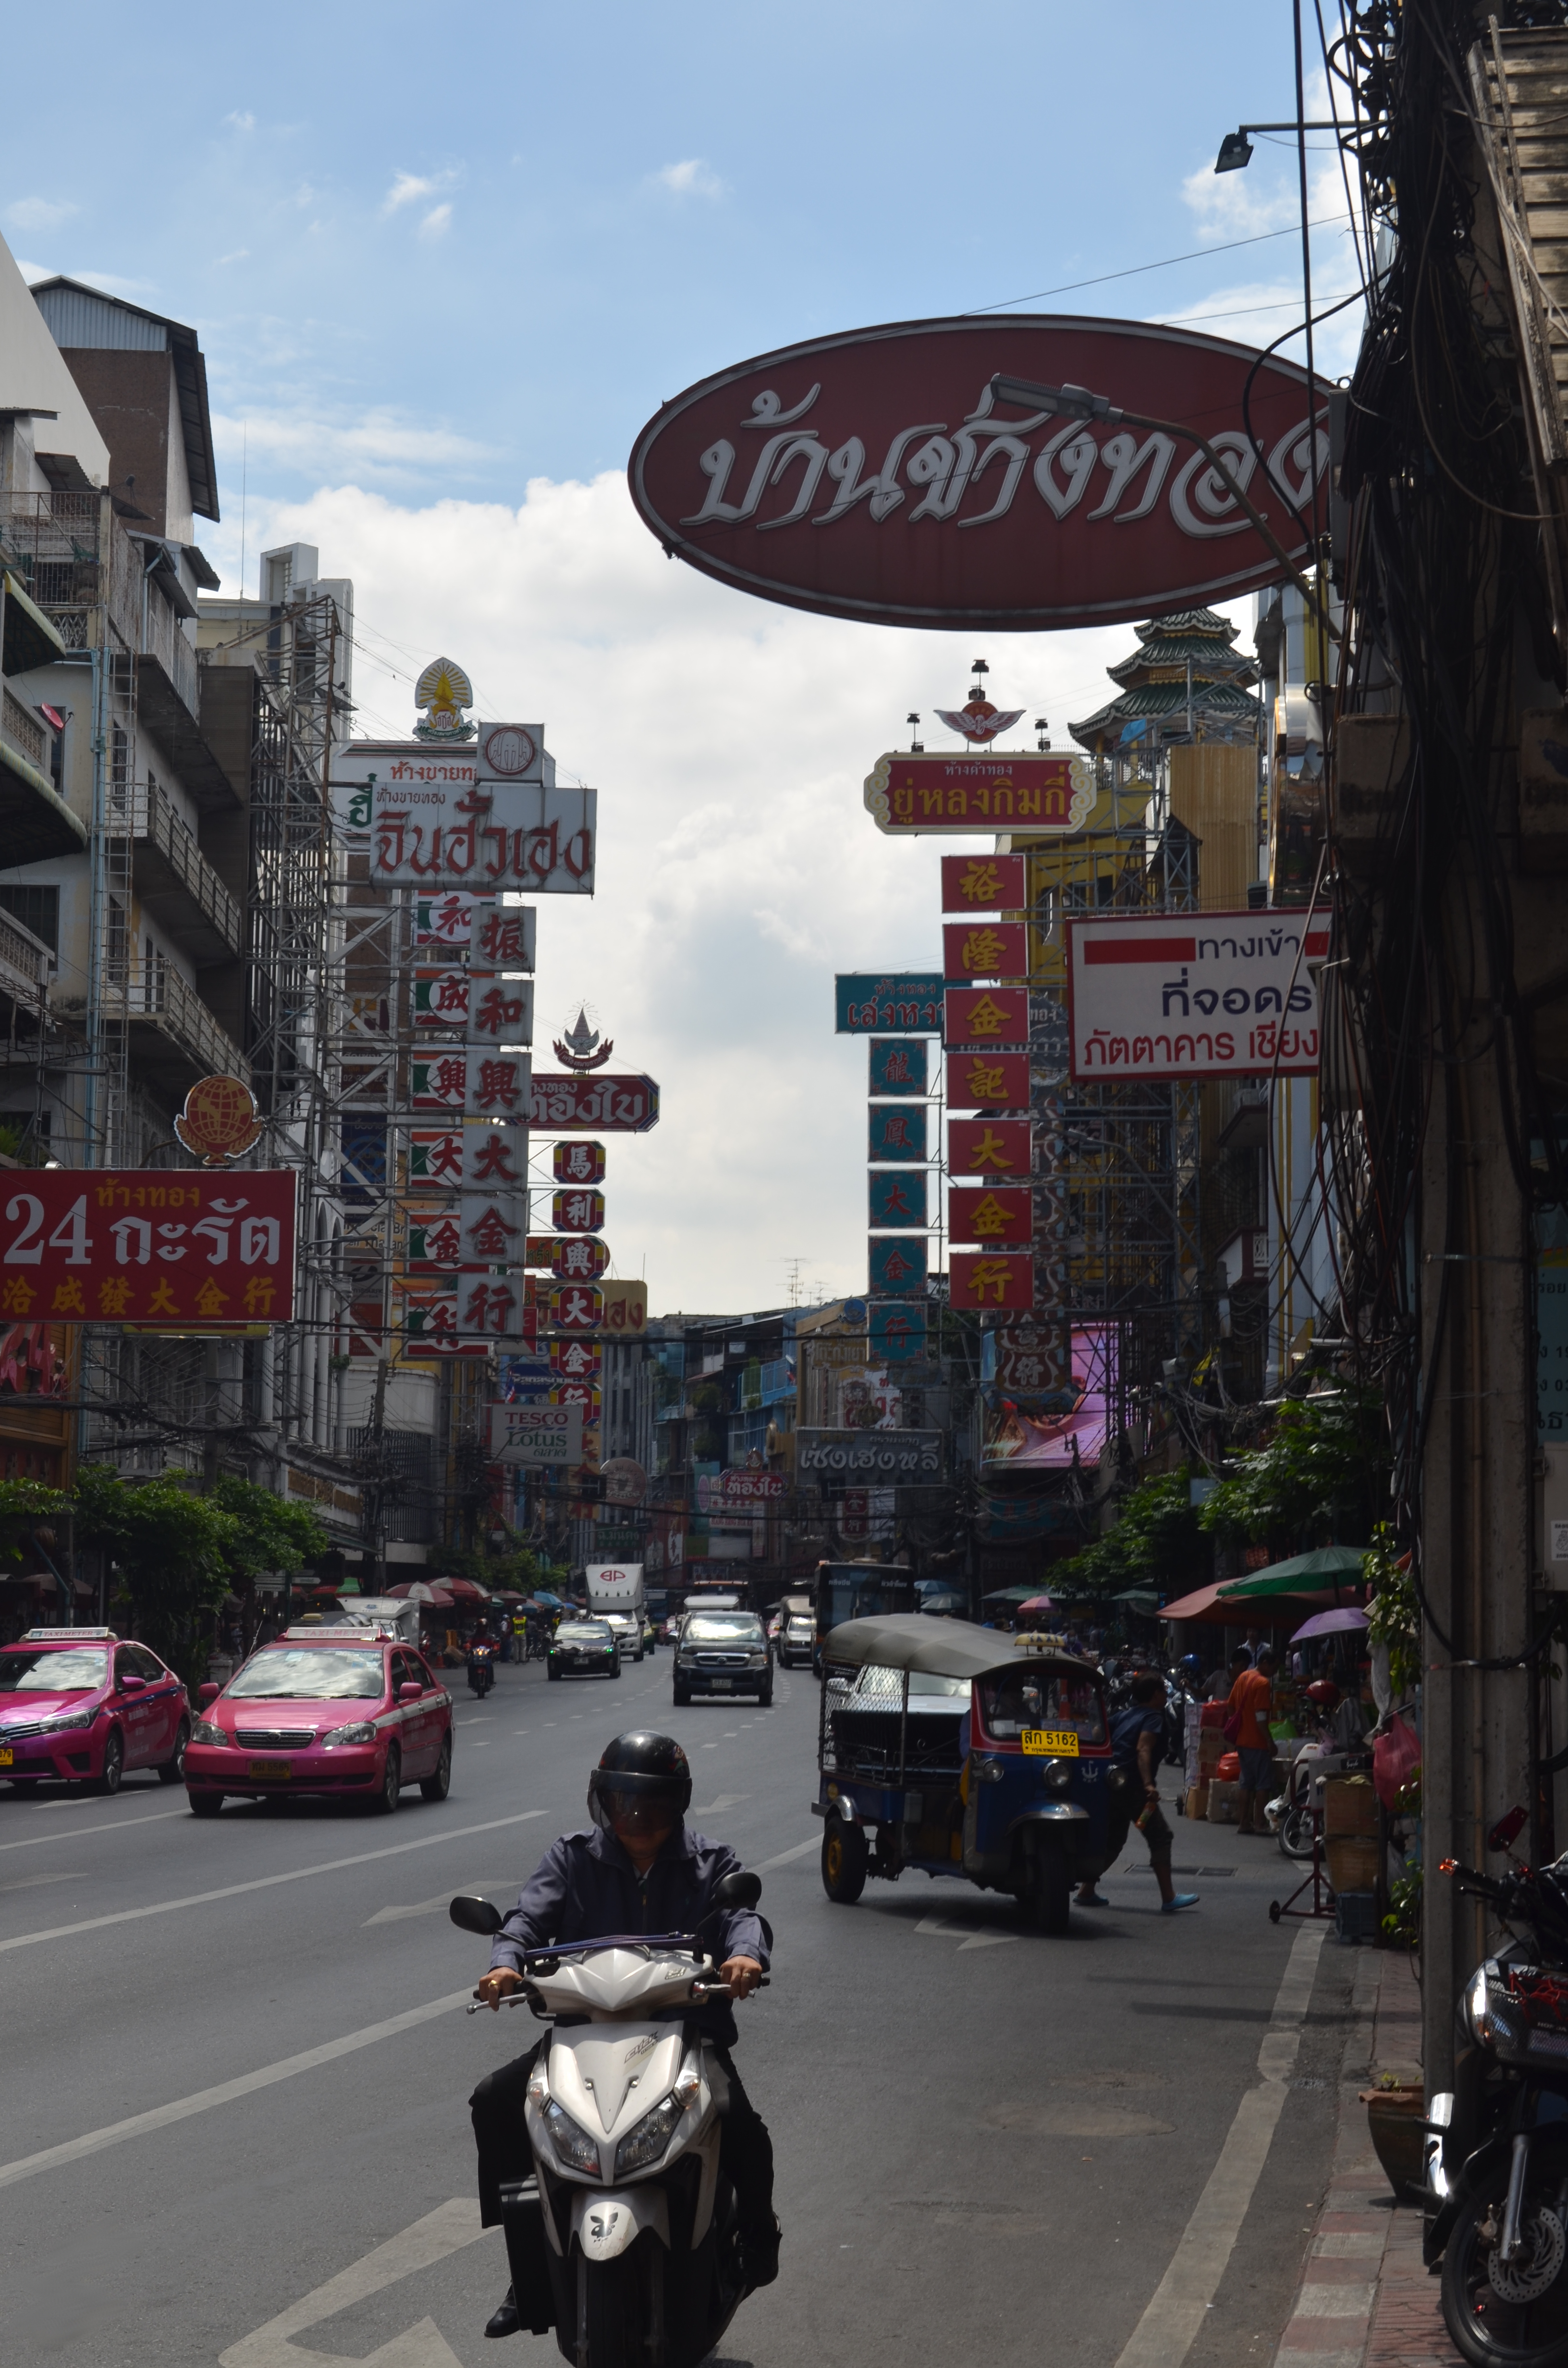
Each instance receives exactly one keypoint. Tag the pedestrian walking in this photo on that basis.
(1249, 1704)
(1138, 1744)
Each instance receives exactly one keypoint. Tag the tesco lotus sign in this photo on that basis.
(876, 475)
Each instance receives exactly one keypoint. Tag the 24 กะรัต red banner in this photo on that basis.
(185, 1248)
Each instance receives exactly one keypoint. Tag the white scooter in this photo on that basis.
(624, 2241)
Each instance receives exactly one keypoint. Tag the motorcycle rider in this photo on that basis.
(641, 1870)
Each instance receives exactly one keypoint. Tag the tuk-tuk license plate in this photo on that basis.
(1054, 1742)
(267, 1768)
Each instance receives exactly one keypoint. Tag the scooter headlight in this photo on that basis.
(1477, 2009)
(572, 2142)
(647, 2139)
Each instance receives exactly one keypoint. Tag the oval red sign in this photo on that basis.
(872, 476)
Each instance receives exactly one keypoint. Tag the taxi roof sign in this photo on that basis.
(365, 1632)
(76, 1635)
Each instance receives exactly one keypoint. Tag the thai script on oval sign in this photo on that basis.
(1212, 994)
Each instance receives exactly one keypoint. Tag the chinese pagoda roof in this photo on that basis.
(1220, 701)
(1155, 676)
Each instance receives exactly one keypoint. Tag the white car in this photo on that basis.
(628, 1633)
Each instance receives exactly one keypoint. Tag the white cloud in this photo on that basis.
(237, 255)
(382, 444)
(111, 282)
(729, 741)
(437, 222)
(408, 189)
(242, 120)
(691, 178)
(41, 213)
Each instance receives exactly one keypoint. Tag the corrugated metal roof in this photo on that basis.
(79, 317)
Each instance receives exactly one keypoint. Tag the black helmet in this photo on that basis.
(645, 1764)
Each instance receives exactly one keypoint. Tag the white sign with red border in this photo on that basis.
(1195, 995)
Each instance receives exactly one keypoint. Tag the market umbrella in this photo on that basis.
(1139, 1599)
(419, 1591)
(465, 1590)
(1018, 1595)
(1330, 1624)
(1037, 1603)
(552, 1603)
(1303, 1574)
(941, 1600)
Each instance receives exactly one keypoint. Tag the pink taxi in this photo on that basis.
(348, 1711)
(81, 1705)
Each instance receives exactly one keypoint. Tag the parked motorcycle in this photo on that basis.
(624, 2241)
(1501, 2225)
(481, 1665)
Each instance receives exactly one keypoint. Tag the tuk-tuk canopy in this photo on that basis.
(940, 1648)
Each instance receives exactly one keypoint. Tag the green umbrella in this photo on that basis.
(1012, 1594)
(1303, 1575)
(1139, 1599)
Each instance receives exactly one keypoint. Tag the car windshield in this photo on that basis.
(310, 1673)
(879, 1685)
(583, 1632)
(42, 1670)
(723, 1628)
(1012, 1699)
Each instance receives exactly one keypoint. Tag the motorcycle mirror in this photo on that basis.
(479, 1916)
(1506, 1830)
(737, 1891)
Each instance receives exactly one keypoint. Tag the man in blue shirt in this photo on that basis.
(641, 1870)
(1138, 1746)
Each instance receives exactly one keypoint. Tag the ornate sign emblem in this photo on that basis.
(218, 1121)
(443, 690)
(580, 1047)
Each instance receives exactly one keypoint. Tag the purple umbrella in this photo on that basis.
(1330, 1624)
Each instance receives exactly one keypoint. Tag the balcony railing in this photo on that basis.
(75, 558)
(173, 877)
(22, 730)
(160, 1005)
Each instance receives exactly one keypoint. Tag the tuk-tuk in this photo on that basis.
(857, 1590)
(941, 1748)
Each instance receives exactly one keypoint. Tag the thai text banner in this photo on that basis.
(888, 1003)
(884, 1455)
(483, 836)
(1195, 995)
(185, 1247)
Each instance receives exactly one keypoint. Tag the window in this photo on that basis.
(116, 942)
(74, 1669)
(310, 1673)
(1013, 1699)
(38, 909)
(146, 1665)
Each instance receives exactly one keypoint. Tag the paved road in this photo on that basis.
(991, 2145)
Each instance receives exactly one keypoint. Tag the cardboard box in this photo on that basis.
(1211, 1748)
(1222, 1809)
(1352, 1863)
(1197, 1800)
(1350, 1806)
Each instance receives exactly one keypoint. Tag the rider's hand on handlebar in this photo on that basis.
(743, 1974)
(494, 1986)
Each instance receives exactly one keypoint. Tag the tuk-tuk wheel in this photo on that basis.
(1047, 1890)
(845, 1856)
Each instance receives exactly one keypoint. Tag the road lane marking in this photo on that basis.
(31, 1882)
(470, 1884)
(1164, 2336)
(441, 2233)
(261, 1882)
(784, 1857)
(115, 1826)
(226, 2093)
(724, 1801)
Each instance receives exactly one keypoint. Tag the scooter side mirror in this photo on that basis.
(1507, 1830)
(737, 1891)
(481, 1915)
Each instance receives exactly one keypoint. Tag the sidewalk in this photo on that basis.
(1366, 2300)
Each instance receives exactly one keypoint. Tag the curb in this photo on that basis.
(1366, 2299)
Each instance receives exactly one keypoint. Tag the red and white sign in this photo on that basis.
(563, 1103)
(512, 752)
(576, 1307)
(983, 884)
(871, 474)
(472, 1081)
(992, 1216)
(576, 1361)
(991, 1278)
(501, 936)
(577, 1212)
(1195, 995)
(988, 1081)
(483, 836)
(175, 1247)
(987, 789)
(985, 949)
(578, 1257)
(985, 1016)
(625, 1308)
(578, 1162)
(488, 1158)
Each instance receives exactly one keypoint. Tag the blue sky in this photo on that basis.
(444, 265)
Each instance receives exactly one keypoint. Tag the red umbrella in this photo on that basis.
(419, 1591)
(464, 1591)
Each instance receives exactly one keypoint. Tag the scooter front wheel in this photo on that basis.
(609, 2312)
(1512, 2314)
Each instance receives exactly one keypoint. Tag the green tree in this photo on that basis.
(1325, 1469)
(173, 1552)
(270, 1533)
(1155, 1542)
(516, 1566)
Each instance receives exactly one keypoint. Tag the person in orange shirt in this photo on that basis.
(1251, 1698)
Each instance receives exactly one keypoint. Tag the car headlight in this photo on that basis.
(1057, 1776)
(362, 1730)
(756, 1660)
(70, 1718)
(202, 1730)
(571, 2141)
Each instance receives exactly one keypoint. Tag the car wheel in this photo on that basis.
(114, 1765)
(682, 1696)
(170, 1771)
(765, 1699)
(385, 1802)
(551, 1672)
(205, 1805)
(435, 1786)
(845, 1854)
(615, 1671)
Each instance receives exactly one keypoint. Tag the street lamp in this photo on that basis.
(1236, 149)
(1078, 402)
